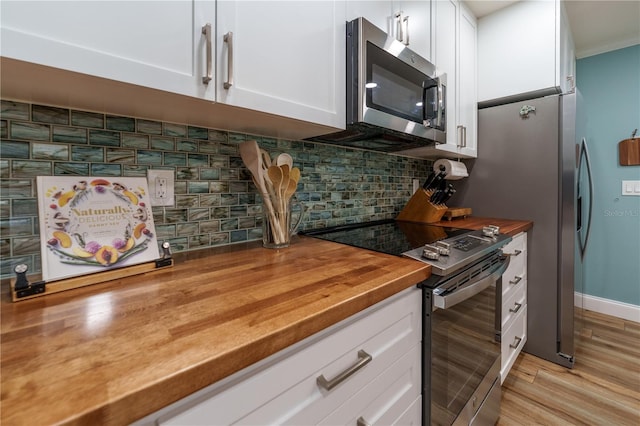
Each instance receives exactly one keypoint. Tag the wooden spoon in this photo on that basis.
(252, 158)
(290, 190)
(275, 174)
(295, 174)
(283, 159)
(285, 177)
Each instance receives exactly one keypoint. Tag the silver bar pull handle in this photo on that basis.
(405, 33)
(206, 30)
(517, 307)
(516, 280)
(464, 137)
(459, 129)
(399, 32)
(363, 359)
(516, 342)
(362, 422)
(228, 38)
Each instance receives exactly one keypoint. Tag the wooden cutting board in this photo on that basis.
(457, 212)
(629, 152)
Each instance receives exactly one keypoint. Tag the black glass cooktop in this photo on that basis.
(386, 236)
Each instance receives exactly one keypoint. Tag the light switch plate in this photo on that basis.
(161, 187)
(631, 187)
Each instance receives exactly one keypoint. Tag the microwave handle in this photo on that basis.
(440, 103)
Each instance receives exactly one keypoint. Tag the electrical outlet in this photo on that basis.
(161, 187)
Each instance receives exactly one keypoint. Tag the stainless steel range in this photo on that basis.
(460, 343)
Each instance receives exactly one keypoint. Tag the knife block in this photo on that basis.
(420, 209)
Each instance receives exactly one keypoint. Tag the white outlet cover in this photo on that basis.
(154, 190)
(631, 187)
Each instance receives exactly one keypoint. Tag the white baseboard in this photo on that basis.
(614, 308)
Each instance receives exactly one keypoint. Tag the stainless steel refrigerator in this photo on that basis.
(527, 168)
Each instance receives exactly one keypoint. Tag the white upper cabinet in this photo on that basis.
(455, 53)
(152, 44)
(282, 57)
(408, 21)
(523, 48)
(445, 23)
(415, 25)
(467, 114)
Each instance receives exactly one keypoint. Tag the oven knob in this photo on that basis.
(491, 231)
(431, 252)
(443, 248)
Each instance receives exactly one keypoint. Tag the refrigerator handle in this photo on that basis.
(585, 152)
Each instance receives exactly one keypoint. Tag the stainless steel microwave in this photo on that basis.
(396, 100)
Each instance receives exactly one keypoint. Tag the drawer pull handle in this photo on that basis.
(516, 280)
(363, 359)
(517, 307)
(362, 422)
(516, 342)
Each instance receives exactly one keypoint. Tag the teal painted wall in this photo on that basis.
(610, 86)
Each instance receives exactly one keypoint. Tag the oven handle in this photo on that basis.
(471, 289)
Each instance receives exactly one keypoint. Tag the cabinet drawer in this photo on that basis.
(287, 387)
(517, 270)
(412, 416)
(513, 341)
(381, 402)
(512, 306)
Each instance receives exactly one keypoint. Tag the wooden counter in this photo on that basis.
(507, 226)
(112, 353)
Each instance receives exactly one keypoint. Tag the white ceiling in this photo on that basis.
(597, 25)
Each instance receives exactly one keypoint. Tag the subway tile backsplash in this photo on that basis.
(215, 201)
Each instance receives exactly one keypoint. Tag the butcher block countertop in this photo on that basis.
(114, 352)
(507, 226)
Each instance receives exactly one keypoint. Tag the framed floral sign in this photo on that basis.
(92, 224)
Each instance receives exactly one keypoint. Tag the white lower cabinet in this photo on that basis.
(513, 339)
(285, 389)
(514, 303)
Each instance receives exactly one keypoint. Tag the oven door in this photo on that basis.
(462, 357)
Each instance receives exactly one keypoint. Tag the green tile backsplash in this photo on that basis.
(215, 201)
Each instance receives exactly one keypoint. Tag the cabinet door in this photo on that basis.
(445, 54)
(467, 84)
(417, 14)
(517, 50)
(412, 17)
(282, 57)
(152, 44)
(379, 13)
(567, 54)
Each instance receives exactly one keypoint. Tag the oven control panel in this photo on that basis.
(460, 251)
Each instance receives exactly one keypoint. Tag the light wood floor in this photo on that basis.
(603, 388)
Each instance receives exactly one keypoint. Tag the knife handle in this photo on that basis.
(428, 180)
